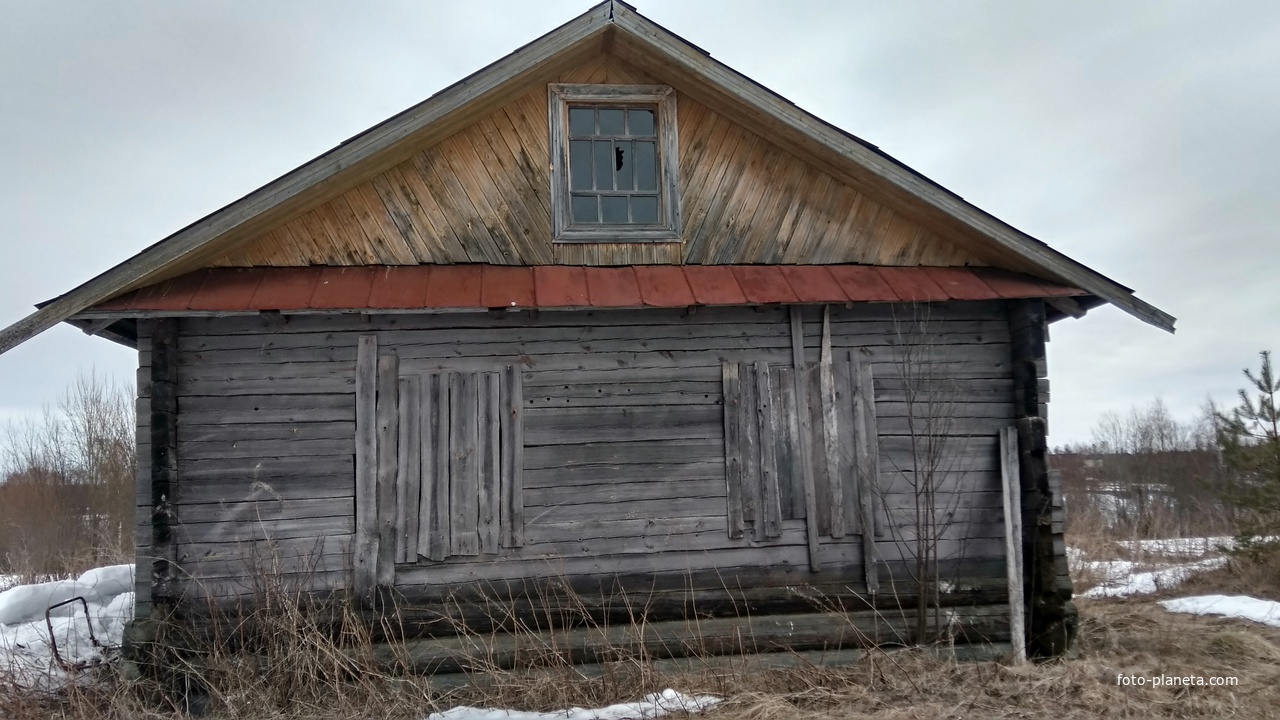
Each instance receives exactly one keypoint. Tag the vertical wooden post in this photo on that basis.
(866, 440)
(388, 418)
(409, 469)
(164, 461)
(1010, 487)
(806, 427)
(830, 433)
(732, 447)
(365, 560)
(512, 432)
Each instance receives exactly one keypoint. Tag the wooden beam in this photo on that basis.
(1011, 494)
(365, 560)
(409, 469)
(867, 453)
(512, 432)
(830, 433)
(732, 447)
(806, 427)
(388, 419)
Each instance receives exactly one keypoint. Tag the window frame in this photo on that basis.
(559, 98)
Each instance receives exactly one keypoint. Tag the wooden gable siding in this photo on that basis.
(484, 195)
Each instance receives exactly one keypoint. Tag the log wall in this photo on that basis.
(622, 459)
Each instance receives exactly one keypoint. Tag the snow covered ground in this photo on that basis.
(652, 706)
(83, 633)
(1266, 612)
(1155, 565)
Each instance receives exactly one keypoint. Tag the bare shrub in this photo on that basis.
(67, 500)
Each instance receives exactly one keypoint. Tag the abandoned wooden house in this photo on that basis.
(609, 319)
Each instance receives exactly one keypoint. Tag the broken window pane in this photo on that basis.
(622, 164)
(640, 122)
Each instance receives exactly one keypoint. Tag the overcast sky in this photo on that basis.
(1140, 138)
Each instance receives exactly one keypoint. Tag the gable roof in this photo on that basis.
(619, 28)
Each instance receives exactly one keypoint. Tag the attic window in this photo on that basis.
(614, 163)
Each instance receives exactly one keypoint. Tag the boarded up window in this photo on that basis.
(448, 452)
(763, 447)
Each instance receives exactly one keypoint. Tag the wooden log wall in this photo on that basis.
(1052, 618)
(623, 458)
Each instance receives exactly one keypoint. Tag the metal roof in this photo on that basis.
(478, 287)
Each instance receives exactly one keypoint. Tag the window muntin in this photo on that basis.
(613, 163)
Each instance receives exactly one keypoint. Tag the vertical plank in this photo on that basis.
(433, 512)
(409, 469)
(1011, 493)
(866, 452)
(512, 431)
(464, 470)
(806, 432)
(732, 447)
(388, 417)
(749, 433)
(770, 525)
(830, 433)
(163, 463)
(845, 443)
(490, 448)
(784, 410)
(818, 450)
(365, 560)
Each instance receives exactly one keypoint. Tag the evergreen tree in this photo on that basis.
(1249, 436)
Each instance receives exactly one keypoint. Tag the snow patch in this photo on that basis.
(1266, 612)
(1122, 581)
(651, 706)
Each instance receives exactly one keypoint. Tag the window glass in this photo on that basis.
(582, 121)
(644, 208)
(640, 122)
(646, 162)
(584, 209)
(580, 165)
(612, 121)
(613, 209)
(623, 166)
(604, 165)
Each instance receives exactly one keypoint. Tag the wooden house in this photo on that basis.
(605, 318)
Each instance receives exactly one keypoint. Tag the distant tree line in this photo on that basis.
(67, 496)
(1148, 474)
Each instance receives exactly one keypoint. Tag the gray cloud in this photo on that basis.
(1141, 138)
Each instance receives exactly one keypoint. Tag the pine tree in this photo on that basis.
(1250, 440)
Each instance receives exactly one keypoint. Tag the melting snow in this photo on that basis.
(1121, 580)
(1266, 612)
(651, 706)
(26, 648)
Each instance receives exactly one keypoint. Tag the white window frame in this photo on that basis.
(559, 98)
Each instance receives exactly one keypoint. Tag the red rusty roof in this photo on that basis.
(557, 286)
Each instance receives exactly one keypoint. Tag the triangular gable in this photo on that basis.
(649, 48)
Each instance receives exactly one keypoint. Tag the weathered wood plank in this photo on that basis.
(805, 433)
(613, 528)
(830, 429)
(464, 462)
(409, 469)
(574, 425)
(770, 498)
(867, 454)
(1011, 490)
(732, 448)
(749, 431)
(786, 443)
(365, 560)
(433, 508)
(639, 473)
(271, 510)
(489, 446)
(626, 453)
(388, 417)
(513, 465)
(674, 491)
